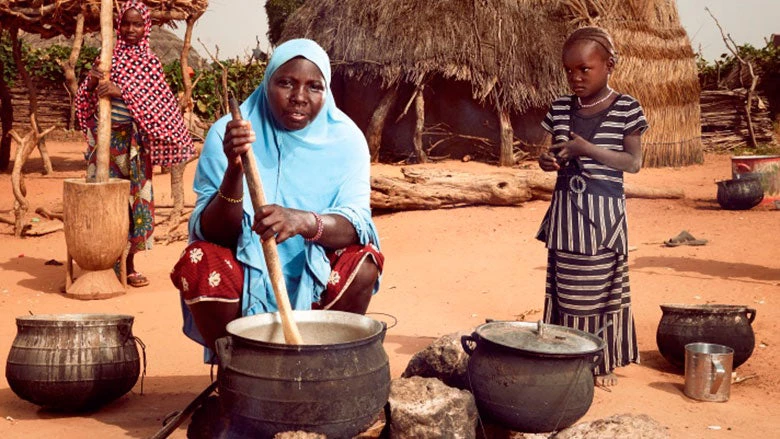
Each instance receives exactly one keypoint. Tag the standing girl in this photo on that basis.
(147, 128)
(596, 136)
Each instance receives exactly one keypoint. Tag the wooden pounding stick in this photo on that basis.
(270, 252)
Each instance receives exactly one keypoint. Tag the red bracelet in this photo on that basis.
(320, 227)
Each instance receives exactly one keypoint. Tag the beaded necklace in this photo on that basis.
(579, 101)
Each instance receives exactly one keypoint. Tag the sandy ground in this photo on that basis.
(446, 270)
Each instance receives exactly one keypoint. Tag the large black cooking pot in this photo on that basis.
(73, 362)
(532, 377)
(728, 325)
(334, 384)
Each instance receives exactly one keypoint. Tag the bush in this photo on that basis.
(242, 80)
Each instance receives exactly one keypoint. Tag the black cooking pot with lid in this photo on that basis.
(532, 377)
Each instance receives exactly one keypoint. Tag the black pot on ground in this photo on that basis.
(73, 362)
(728, 325)
(740, 194)
(334, 384)
(532, 377)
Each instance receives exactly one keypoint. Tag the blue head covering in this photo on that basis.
(329, 127)
(324, 168)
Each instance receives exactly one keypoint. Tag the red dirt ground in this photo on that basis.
(446, 270)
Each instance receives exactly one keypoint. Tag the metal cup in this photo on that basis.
(708, 371)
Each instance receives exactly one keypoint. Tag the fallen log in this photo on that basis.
(436, 189)
(428, 188)
(42, 211)
(43, 228)
(544, 183)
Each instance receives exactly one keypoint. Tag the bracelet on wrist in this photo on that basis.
(320, 227)
(228, 199)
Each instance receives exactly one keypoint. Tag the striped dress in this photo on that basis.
(585, 232)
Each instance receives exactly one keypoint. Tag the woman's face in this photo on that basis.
(296, 93)
(131, 28)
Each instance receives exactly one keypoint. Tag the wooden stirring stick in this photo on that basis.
(291, 333)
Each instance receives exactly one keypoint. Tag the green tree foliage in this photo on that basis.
(243, 78)
(765, 60)
(278, 11)
(44, 65)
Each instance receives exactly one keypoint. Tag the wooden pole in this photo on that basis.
(419, 125)
(270, 252)
(507, 155)
(104, 103)
(32, 93)
(377, 122)
(6, 120)
(69, 67)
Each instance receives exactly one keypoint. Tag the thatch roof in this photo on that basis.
(484, 42)
(510, 52)
(49, 18)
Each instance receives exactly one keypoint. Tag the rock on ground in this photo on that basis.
(427, 408)
(443, 359)
(625, 426)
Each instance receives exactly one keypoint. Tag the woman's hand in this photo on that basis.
(238, 140)
(283, 223)
(94, 76)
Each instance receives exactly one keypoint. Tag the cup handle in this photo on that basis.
(467, 340)
(720, 374)
(751, 314)
(742, 168)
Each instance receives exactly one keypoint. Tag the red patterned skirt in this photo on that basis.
(209, 272)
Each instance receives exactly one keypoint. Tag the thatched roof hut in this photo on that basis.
(508, 53)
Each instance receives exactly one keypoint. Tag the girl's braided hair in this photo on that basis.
(596, 34)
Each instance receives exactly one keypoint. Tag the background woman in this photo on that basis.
(147, 128)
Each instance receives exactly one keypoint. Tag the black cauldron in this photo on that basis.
(740, 194)
(532, 377)
(334, 384)
(728, 325)
(73, 362)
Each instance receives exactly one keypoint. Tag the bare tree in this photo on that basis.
(732, 46)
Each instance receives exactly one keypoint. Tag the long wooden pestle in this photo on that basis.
(270, 252)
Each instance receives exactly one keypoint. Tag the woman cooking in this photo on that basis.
(314, 167)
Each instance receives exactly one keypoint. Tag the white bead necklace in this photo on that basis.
(579, 101)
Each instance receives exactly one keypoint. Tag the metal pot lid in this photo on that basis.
(540, 338)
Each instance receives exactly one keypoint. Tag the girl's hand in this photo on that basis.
(548, 162)
(108, 90)
(94, 76)
(272, 220)
(238, 140)
(575, 147)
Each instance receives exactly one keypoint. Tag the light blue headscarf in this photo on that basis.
(324, 168)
